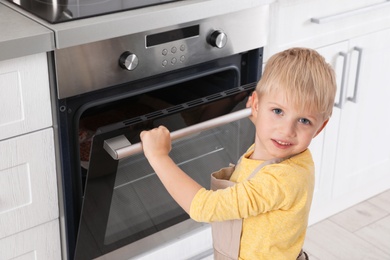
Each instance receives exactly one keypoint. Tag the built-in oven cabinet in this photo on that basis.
(40, 242)
(316, 23)
(353, 159)
(24, 95)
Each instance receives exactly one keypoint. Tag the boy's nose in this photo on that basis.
(288, 129)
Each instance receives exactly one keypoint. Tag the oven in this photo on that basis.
(194, 78)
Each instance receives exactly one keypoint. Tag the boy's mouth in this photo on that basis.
(281, 143)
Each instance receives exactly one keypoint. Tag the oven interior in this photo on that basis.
(149, 104)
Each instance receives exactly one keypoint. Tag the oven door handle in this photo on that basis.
(119, 147)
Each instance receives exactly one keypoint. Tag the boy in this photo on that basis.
(273, 183)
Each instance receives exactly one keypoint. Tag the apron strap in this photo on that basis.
(257, 169)
(272, 161)
(251, 149)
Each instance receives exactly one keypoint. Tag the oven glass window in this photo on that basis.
(124, 201)
(140, 203)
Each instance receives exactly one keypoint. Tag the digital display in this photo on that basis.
(174, 35)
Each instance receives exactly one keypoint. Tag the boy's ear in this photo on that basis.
(322, 127)
(254, 104)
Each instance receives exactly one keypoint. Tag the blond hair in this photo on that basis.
(307, 80)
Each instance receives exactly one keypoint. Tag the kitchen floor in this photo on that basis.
(360, 232)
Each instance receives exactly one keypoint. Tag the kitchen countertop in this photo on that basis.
(20, 36)
(103, 27)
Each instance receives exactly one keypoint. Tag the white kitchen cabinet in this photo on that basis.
(28, 182)
(354, 162)
(41, 243)
(29, 213)
(317, 23)
(24, 95)
(364, 124)
(351, 155)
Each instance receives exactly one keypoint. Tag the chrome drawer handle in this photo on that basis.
(355, 91)
(339, 104)
(335, 17)
(119, 147)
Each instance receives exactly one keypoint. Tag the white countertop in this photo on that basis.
(20, 36)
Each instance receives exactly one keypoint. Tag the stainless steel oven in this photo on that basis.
(193, 78)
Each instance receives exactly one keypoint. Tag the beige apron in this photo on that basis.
(227, 234)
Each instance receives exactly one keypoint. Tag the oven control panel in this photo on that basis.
(141, 55)
(170, 48)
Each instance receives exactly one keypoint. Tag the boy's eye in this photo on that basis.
(277, 111)
(304, 121)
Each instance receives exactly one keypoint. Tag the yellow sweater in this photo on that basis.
(274, 204)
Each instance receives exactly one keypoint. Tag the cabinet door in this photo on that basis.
(324, 146)
(363, 155)
(24, 95)
(28, 187)
(41, 242)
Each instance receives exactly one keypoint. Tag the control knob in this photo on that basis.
(218, 39)
(128, 61)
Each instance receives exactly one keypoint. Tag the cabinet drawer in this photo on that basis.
(41, 242)
(28, 186)
(24, 95)
(316, 23)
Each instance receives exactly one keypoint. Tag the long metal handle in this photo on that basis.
(335, 17)
(119, 147)
(339, 104)
(355, 91)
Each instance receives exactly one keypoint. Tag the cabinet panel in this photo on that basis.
(363, 142)
(28, 182)
(315, 23)
(41, 242)
(355, 157)
(24, 95)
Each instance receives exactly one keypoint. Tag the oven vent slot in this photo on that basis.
(215, 96)
(251, 86)
(175, 109)
(232, 91)
(195, 102)
(134, 120)
(154, 114)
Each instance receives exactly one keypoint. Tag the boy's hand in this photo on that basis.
(156, 142)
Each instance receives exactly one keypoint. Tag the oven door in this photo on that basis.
(125, 203)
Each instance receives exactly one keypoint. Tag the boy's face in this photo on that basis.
(282, 129)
